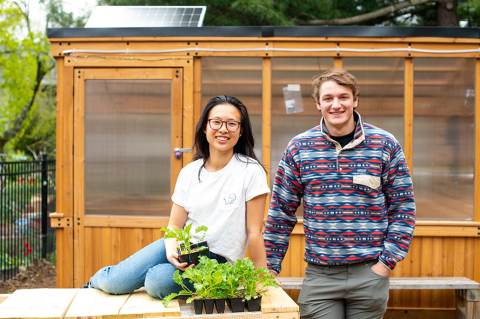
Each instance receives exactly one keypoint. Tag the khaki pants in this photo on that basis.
(337, 292)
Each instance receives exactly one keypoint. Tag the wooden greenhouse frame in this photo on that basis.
(87, 243)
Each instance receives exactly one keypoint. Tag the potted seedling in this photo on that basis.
(233, 289)
(254, 281)
(183, 237)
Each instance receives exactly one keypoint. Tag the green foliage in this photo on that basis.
(58, 18)
(469, 10)
(212, 280)
(183, 235)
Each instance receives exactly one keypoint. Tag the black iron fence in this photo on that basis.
(27, 196)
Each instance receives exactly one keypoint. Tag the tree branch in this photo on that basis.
(367, 16)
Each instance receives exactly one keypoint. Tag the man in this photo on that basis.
(359, 209)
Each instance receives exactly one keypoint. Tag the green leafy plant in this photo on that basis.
(254, 280)
(183, 235)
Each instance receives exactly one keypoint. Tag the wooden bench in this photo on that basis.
(95, 304)
(466, 290)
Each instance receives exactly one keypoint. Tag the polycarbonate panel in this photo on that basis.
(444, 138)
(238, 77)
(381, 82)
(127, 147)
(146, 16)
(293, 71)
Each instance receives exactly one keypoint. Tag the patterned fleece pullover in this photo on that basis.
(358, 202)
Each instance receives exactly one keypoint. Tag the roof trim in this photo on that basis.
(268, 31)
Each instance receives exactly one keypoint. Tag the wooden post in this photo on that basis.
(197, 89)
(408, 114)
(468, 304)
(337, 63)
(267, 119)
(64, 173)
(477, 141)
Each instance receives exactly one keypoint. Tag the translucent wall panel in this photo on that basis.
(293, 71)
(443, 143)
(381, 82)
(127, 147)
(238, 77)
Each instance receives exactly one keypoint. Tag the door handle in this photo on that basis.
(178, 151)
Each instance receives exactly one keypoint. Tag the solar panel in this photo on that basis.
(146, 17)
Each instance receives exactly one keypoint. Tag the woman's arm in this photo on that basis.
(255, 211)
(177, 220)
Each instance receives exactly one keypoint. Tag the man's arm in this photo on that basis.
(286, 197)
(398, 190)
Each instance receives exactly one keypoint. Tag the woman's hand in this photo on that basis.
(173, 259)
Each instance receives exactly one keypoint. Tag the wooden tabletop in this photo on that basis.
(95, 304)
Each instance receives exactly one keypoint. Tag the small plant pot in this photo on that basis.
(198, 305)
(220, 305)
(195, 258)
(236, 304)
(254, 304)
(209, 306)
(184, 258)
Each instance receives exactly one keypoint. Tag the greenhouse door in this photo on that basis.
(127, 121)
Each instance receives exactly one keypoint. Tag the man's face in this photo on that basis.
(337, 104)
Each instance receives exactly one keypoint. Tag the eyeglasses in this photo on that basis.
(231, 125)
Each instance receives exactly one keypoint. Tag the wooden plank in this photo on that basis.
(476, 270)
(142, 305)
(127, 73)
(4, 297)
(137, 239)
(106, 247)
(176, 134)
(53, 304)
(116, 244)
(446, 231)
(459, 257)
(418, 313)
(95, 304)
(147, 236)
(426, 270)
(437, 271)
(96, 249)
(415, 268)
(406, 274)
(408, 114)
(188, 115)
(395, 298)
(448, 249)
(125, 222)
(88, 254)
(296, 256)
(267, 121)
(337, 63)
(276, 300)
(157, 234)
(477, 140)
(64, 173)
(78, 172)
(139, 61)
(126, 249)
(20, 302)
(469, 257)
(197, 89)
(281, 315)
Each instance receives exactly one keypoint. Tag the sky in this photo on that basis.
(78, 7)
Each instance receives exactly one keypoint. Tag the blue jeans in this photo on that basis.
(147, 268)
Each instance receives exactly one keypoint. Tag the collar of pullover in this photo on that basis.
(358, 138)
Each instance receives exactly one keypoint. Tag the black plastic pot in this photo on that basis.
(209, 306)
(184, 258)
(198, 305)
(205, 252)
(195, 258)
(220, 305)
(254, 304)
(236, 304)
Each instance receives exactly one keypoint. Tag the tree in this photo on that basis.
(327, 12)
(25, 59)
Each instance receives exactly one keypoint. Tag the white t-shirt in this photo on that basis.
(218, 201)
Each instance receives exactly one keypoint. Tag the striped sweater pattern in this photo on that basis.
(358, 201)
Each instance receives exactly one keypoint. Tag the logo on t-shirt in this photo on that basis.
(229, 199)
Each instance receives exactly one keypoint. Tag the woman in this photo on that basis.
(224, 188)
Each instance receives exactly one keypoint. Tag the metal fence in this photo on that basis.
(27, 196)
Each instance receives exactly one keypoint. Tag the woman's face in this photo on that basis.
(222, 140)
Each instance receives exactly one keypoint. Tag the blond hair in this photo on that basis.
(341, 76)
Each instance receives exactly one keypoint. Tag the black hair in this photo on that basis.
(245, 142)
